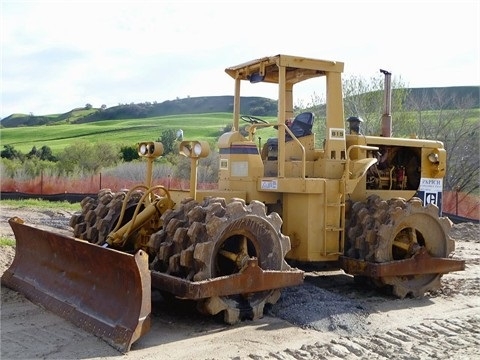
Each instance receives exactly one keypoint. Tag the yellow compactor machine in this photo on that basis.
(366, 204)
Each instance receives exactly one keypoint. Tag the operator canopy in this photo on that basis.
(297, 69)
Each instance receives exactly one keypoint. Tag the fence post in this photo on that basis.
(456, 200)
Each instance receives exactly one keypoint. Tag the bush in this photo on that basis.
(91, 158)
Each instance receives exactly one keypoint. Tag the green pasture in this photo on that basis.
(40, 204)
(123, 132)
(195, 127)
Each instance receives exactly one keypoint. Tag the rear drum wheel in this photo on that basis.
(396, 230)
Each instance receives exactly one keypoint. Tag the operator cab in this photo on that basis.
(301, 126)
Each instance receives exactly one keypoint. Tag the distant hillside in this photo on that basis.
(192, 105)
(16, 120)
(466, 97)
(425, 98)
(258, 106)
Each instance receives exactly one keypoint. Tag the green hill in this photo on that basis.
(444, 98)
(193, 105)
(427, 98)
(121, 132)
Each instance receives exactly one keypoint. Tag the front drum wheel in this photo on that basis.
(410, 228)
(383, 231)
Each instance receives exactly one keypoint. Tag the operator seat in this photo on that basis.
(301, 126)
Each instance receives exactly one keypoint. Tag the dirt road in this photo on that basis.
(327, 317)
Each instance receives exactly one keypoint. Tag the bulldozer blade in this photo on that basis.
(105, 292)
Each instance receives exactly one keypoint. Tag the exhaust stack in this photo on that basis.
(387, 109)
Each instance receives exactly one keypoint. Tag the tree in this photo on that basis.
(458, 128)
(9, 152)
(169, 139)
(129, 153)
(47, 154)
(88, 157)
(366, 98)
(32, 153)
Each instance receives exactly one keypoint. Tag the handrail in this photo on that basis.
(350, 148)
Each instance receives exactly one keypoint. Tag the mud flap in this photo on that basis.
(105, 292)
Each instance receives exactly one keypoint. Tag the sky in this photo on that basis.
(60, 55)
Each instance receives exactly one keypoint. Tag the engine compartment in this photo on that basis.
(398, 168)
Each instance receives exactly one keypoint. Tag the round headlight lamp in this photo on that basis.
(143, 149)
(433, 158)
(197, 149)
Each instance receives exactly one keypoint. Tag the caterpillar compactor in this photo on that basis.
(366, 204)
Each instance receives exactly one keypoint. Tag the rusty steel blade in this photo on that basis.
(105, 292)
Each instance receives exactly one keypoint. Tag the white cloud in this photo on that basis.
(59, 55)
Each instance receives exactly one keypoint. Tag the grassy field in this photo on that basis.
(35, 204)
(123, 132)
(130, 131)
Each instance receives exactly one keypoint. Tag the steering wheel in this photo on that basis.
(253, 119)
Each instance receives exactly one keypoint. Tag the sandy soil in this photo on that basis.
(328, 317)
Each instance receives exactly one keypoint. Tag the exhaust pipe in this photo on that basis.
(387, 109)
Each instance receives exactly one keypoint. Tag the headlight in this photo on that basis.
(194, 149)
(143, 150)
(433, 158)
(197, 149)
(150, 149)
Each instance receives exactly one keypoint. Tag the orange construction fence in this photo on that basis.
(455, 203)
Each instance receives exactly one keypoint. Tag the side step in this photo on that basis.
(105, 292)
